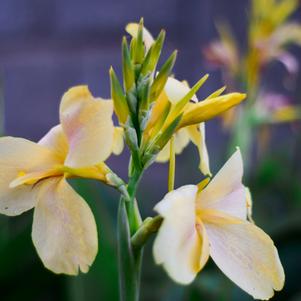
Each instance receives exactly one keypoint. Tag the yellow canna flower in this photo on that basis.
(212, 221)
(191, 127)
(34, 176)
(224, 52)
(288, 113)
(172, 102)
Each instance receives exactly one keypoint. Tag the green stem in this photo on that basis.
(131, 206)
(129, 261)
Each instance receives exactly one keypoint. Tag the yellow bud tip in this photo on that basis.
(238, 97)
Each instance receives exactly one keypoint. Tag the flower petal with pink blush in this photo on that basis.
(178, 245)
(87, 123)
(226, 192)
(17, 156)
(56, 140)
(247, 256)
(64, 230)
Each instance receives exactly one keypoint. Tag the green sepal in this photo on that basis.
(144, 118)
(217, 93)
(133, 47)
(149, 226)
(143, 91)
(159, 124)
(153, 55)
(168, 132)
(182, 103)
(127, 67)
(149, 155)
(161, 78)
(131, 99)
(131, 136)
(119, 100)
(140, 49)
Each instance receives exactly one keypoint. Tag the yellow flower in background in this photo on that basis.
(269, 35)
(34, 176)
(224, 52)
(212, 221)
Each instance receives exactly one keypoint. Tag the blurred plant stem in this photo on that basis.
(129, 260)
(242, 131)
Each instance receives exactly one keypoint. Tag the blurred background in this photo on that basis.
(48, 46)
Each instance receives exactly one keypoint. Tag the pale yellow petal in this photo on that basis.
(32, 178)
(181, 141)
(132, 29)
(56, 140)
(204, 249)
(178, 245)
(87, 123)
(20, 156)
(176, 90)
(226, 192)
(64, 230)
(197, 136)
(164, 154)
(118, 143)
(247, 256)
